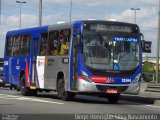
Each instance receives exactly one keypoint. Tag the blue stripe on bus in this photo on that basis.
(76, 26)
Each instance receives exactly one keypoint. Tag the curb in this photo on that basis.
(157, 102)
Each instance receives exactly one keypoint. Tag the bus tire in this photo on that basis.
(15, 87)
(64, 95)
(33, 92)
(11, 87)
(18, 88)
(25, 91)
(113, 99)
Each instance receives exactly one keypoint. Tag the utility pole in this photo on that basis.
(40, 12)
(0, 12)
(158, 37)
(20, 4)
(71, 11)
(135, 9)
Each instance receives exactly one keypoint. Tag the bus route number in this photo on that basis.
(126, 80)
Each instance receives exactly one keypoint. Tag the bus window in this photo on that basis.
(9, 46)
(64, 39)
(53, 43)
(43, 50)
(25, 45)
(9, 41)
(16, 45)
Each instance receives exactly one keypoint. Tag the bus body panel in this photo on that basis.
(15, 65)
(55, 66)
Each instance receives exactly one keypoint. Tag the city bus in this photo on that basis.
(92, 57)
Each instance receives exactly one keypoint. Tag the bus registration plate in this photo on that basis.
(112, 91)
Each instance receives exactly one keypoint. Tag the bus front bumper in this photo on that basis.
(87, 87)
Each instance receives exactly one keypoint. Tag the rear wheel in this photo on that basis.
(113, 98)
(18, 88)
(33, 92)
(64, 95)
(11, 87)
(25, 91)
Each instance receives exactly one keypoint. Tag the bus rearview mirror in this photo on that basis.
(146, 46)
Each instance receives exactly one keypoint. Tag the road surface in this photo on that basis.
(13, 103)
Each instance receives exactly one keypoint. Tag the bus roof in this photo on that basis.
(61, 26)
(109, 22)
(28, 31)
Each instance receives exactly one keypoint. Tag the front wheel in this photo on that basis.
(64, 95)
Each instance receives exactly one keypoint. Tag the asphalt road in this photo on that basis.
(12, 102)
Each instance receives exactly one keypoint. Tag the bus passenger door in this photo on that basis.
(75, 61)
(35, 41)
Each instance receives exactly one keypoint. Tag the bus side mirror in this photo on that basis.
(146, 46)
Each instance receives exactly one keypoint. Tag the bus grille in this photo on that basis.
(109, 74)
(104, 88)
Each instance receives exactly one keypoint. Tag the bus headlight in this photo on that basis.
(136, 79)
(86, 77)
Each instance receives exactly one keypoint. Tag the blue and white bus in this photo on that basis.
(101, 58)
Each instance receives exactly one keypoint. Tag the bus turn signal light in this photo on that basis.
(46, 61)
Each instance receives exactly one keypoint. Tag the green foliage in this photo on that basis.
(148, 67)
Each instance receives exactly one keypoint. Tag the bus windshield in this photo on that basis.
(105, 51)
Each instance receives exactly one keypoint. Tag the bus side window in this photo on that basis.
(25, 45)
(9, 46)
(16, 45)
(64, 41)
(22, 45)
(28, 44)
(13, 49)
(43, 49)
(12, 38)
(53, 43)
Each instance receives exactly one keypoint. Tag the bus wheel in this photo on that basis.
(33, 92)
(18, 88)
(15, 87)
(64, 95)
(11, 87)
(25, 91)
(113, 99)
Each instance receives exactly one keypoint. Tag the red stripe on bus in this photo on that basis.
(27, 74)
(80, 77)
(96, 79)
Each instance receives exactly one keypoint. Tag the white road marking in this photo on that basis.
(8, 95)
(5, 96)
(153, 106)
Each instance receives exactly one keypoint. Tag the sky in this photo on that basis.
(59, 10)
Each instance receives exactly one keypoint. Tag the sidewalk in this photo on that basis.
(143, 96)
